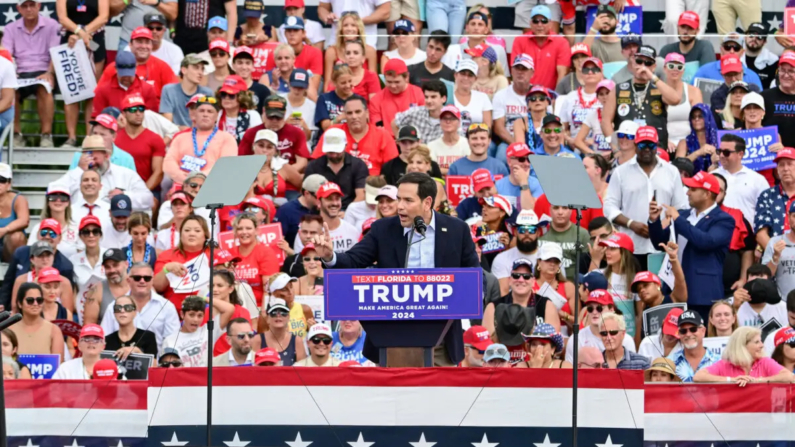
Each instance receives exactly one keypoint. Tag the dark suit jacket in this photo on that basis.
(386, 245)
(702, 260)
(20, 264)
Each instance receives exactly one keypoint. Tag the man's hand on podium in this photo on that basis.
(323, 244)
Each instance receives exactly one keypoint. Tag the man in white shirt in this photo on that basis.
(510, 103)
(161, 48)
(115, 179)
(8, 91)
(372, 13)
(239, 335)
(88, 201)
(743, 185)
(343, 234)
(319, 341)
(666, 341)
(527, 233)
(114, 224)
(451, 145)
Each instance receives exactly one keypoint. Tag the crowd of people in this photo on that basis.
(352, 137)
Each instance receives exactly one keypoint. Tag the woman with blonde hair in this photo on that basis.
(744, 361)
(328, 110)
(278, 79)
(238, 111)
(722, 321)
(365, 82)
(350, 28)
(491, 75)
(419, 160)
(731, 115)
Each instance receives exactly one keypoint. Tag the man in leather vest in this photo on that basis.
(643, 100)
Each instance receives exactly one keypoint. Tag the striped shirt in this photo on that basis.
(631, 361)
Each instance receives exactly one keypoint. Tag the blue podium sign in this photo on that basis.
(757, 141)
(404, 294)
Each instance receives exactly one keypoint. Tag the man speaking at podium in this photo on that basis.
(447, 243)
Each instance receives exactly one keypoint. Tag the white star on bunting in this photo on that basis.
(422, 442)
(45, 11)
(236, 442)
(546, 442)
(30, 444)
(175, 442)
(120, 444)
(609, 443)
(485, 442)
(360, 442)
(298, 441)
(74, 444)
(775, 23)
(11, 15)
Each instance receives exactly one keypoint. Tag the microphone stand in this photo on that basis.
(5, 322)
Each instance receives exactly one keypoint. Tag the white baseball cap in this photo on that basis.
(550, 250)
(267, 135)
(278, 303)
(280, 282)
(319, 329)
(526, 217)
(334, 141)
(751, 98)
(628, 127)
(467, 64)
(5, 170)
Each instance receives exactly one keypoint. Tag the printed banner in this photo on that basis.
(316, 303)
(716, 344)
(136, 367)
(74, 72)
(68, 328)
(789, 21)
(654, 318)
(263, 59)
(629, 21)
(707, 87)
(41, 366)
(21, 83)
(405, 294)
(459, 187)
(267, 235)
(757, 141)
(197, 277)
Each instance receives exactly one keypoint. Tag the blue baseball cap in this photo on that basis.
(120, 206)
(593, 281)
(541, 10)
(404, 25)
(299, 78)
(218, 22)
(112, 111)
(497, 351)
(292, 22)
(125, 63)
(253, 8)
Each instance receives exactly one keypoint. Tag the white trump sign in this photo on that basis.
(74, 72)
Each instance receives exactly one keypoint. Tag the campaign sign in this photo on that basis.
(707, 87)
(41, 366)
(654, 317)
(789, 21)
(716, 344)
(74, 72)
(136, 367)
(68, 328)
(197, 277)
(459, 187)
(267, 235)
(630, 20)
(404, 294)
(315, 302)
(757, 141)
(263, 59)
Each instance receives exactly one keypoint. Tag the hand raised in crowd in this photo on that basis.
(539, 358)
(285, 246)
(619, 5)
(597, 252)
(600, 21)
(505, 239)
(671, 212)
(671, 249)
(521, 174)
(324, 246)
(85, 161)
(775, 147)
(654, 211)
(740, 296)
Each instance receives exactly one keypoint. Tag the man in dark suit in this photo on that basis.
(703, 232)
(448, 244)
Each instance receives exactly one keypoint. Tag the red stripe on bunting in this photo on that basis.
(97, 395)
(719, 398)
(396, 377)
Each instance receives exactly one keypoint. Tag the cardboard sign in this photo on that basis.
(263, 59)
(74, 72)
(757, 141)
(789, 21)
(459, 187)
(41, 366)
(136, 367)
(197, 277)
(547, 291)
(654, 318)
(707, 87)
(630, 20)
(68, 328)
(716, 344)
(316, 303)
(268, 235)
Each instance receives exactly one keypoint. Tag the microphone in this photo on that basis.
(419, 225)
(13, 319)
(4, 315)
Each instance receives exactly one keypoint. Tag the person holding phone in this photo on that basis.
(300, 109)
(253, 32)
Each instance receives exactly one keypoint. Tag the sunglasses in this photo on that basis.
(32, 301)
(254, 209)
(228, 96)
(538, 98)
(319, 340)
(195, 185)
(647, 146)
(612, 333)
(626, 136)
(118, 308)
(57, 198)
(674, 66)
(591, 70)
(91, 232)
(554, 129)
(476, 126)
(525, 276)
(155, 28)
(144, 278)
(312, 258)
(245, 335)
(521, 159)
(135, 109)
(126, 66)
(278, 313)
(207, 100)
(527, 229)
(726, 152)
(93, 340)
(171, 364)
(644, 61)
(597, 308)
(732, 48)
(685, 330)
(218, 53)
(542, 20)
(4, 180)
(500, 352)
(483, 351)
(48, 233)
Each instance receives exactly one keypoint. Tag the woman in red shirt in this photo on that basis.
(257, 261)
(365, 83)
(224, 295)
(193, 236)
(276, 172)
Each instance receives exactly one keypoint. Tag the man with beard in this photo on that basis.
(607, 47)
(757, 58)
(343, 234)
(146, 146)
(89, 202)
(694, 356)
(105, 126)
(114, 261)
(732, 44)
(340, 167)
(238, 334)
(408, 138)
(689, 46)
(780, 100)
(476, 340)
(527, 233)
(114, 224)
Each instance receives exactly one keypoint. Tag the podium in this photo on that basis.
(406, 313)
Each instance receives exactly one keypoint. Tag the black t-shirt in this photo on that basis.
(350, 178)
(396, 168)
(191, 24)
(144, 340)
(261, 93)
(779, 111)
(294, 266)
(419, 74)
(766, 75)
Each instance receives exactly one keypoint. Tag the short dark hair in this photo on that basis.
(739, 142)
(441, 37)
(27, 287)
(791, 301)
(193, 303)
(435, 85)
(312, 218)
(600, 163)
(355, 97)
(235, 321)
(725, 183)
(426, 186)
(759, 270)
(599, 222)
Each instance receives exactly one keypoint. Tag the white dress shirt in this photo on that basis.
(694, 217)
(630, 190)
(158, 315)
(114, 177)
(81, 208)
(84, 273)
(118, 239)
(743, 189)
(71, 370)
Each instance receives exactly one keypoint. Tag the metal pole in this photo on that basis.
(576, 327)
(210, 324)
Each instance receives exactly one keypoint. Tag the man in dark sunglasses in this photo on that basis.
(690, 46)
(527, 233)
(476, 340)
(759, 58)
(21, 262)
(744, 194)
(163, 49)
(319, 341)
(148, 146)
(694, 356)
(732, 45)
(238, 335)
(612, 330)
(169, 359)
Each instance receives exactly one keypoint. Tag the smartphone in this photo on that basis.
(251, 36)
(654, 196)
(296, 114)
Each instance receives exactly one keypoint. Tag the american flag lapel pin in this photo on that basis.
(444, 229)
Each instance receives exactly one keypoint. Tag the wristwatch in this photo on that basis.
(525, 187)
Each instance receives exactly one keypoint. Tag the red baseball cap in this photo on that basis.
(618, 240)
(266, 355)
(367, 224)
(498, 201)
(220, 44)
(89, 220)
(690, 19)
(600, 296)
(244, 50)
(671, 324)
(106, 121)
(293, 4)
(482, 178)
(260, 202)
(234, 84)
(788, 57)
(784, 335)
(518, 150)
(730, 63)
(450, 109)
(349, 364)
(478, 337)
(181, 195)
(581, 48)
(193, 100)
(644, 277)
(662, 153)
(224, 257)
(141, 32)
(703, 180)
(396, 65)
(646, 133)
(92, 330)
(49, 274)
(593, 60)
(132, 100)
(50, 224)
(105, 369)
(309, 247)
(787, 152)
(327, 189)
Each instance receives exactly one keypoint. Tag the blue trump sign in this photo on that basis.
(41, 366)
(630, 20)
(404, 294)
(757, 141)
